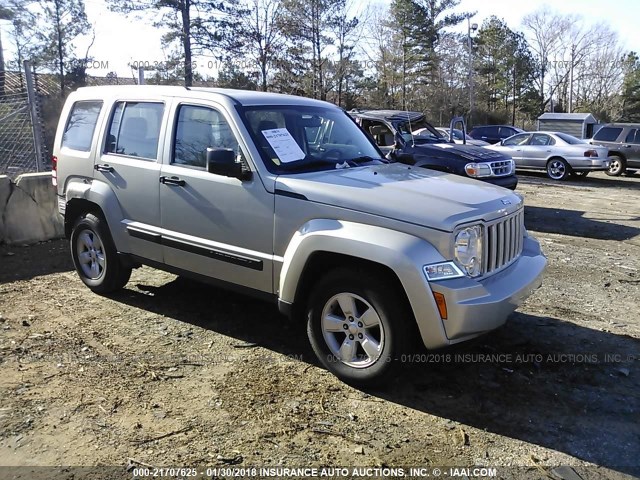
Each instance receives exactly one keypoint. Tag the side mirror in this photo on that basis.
(222, 161)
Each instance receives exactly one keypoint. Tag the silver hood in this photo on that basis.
(415, 195)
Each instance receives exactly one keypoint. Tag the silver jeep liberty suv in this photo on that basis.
(287, 199)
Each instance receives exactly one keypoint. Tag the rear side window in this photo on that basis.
(81, 124)
(134, 129)
(541, 139)
(608, 134)
(633, 136)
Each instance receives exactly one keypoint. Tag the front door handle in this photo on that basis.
(173, 181)
(104, 168)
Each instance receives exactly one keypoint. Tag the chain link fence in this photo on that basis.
(30, 105)
(22, 148)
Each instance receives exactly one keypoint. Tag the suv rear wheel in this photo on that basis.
(356, 325)
(617, 166)
(95, 256)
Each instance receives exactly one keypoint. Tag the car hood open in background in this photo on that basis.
(415, 195)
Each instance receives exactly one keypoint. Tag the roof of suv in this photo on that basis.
(242, 97)
(623, 125)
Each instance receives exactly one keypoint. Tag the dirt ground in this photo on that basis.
(171, 372)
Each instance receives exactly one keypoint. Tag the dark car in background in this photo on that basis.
(493, 133)
(407, 137)
(623, 142)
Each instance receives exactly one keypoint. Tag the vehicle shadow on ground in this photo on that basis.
(538, 379)
(573, 223)
(25, 263)
(599, 180)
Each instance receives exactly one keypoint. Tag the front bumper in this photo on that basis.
(510, 181)
(478, 306)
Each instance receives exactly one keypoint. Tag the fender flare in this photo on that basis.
(101, 195)
(403, 253)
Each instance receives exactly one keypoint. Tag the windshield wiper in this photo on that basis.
(307, 164)
(367, 159)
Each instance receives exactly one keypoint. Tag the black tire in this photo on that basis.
(101, 269)
(617, 166)
(558, 169)
(393, 334)
(581, 175)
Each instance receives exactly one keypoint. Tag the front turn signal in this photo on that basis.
(441, 303)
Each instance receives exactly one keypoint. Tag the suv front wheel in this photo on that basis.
(357, 326)
(95, 256)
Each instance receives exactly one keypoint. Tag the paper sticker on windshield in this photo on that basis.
(283, 144)
(444, 145)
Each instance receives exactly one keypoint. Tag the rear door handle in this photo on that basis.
(104, 168)
(173, 181)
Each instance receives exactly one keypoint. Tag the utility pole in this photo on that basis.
(470, 27)
(573, 54)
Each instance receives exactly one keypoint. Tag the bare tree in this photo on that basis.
(579, 62)
(543, 30)
(261, 38)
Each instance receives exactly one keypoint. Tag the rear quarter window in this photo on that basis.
(81, 125)
(608, 134)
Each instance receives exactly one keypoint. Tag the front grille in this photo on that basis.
(502, 168)
(505, 239)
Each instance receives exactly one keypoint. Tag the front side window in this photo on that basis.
(608, 134)
(199, 128)
(420, 132)
(301, 138)
(81, 124)
(489, 132)
(135, 129)
(516, 140)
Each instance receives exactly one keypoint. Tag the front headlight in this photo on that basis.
(468, 250)
(477, 170)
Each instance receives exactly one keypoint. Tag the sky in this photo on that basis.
(122, 40)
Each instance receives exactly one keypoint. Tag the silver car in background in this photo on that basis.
(557, 153)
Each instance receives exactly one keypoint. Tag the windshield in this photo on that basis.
(570, 139)
(420, 131)
(298, 138)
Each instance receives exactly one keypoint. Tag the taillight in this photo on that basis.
(590, 153)
(54, 170)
